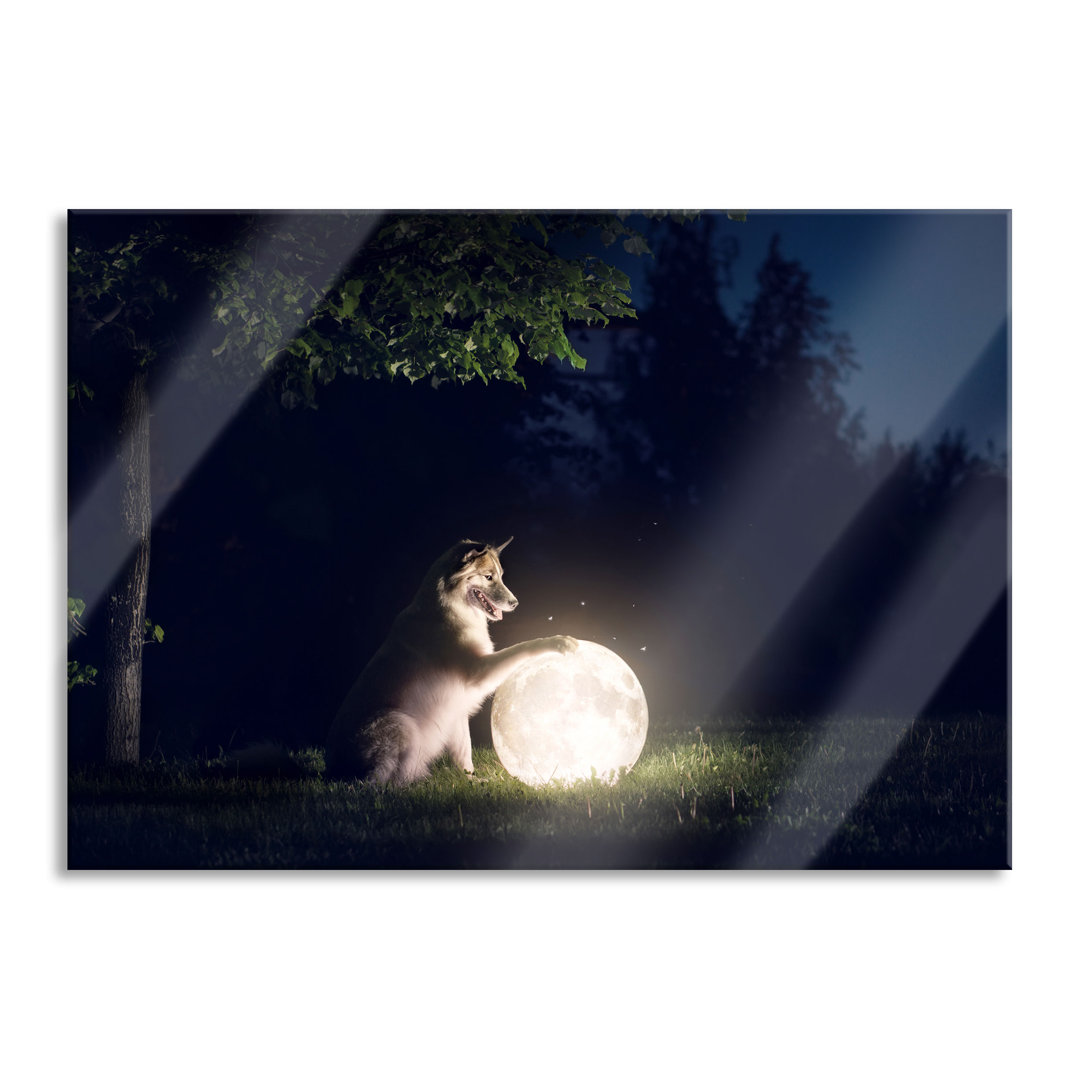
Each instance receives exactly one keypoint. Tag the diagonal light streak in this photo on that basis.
(743, 572)
(952, 590)
(755, 530)
(102, 550)
(948, 594)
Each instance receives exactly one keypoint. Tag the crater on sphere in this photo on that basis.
(587, 685)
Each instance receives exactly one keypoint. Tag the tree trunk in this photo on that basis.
(126, 615)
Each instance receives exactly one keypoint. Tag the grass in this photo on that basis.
(846, 792)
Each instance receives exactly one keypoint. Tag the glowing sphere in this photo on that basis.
(563, 717)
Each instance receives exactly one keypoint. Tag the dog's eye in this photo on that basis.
(489, 576)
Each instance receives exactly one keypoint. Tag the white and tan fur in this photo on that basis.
(413, 701)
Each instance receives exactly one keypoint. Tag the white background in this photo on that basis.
(113, 105)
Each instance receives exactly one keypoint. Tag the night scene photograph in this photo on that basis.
(502, 540)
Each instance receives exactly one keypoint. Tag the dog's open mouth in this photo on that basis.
(485, 605)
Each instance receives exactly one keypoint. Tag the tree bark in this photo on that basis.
(126, 614)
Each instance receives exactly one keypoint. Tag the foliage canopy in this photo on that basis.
(305, 297)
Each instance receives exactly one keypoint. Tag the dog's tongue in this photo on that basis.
(490, 610)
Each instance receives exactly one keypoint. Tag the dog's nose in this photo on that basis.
(513, 603)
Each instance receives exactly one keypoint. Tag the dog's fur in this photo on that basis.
(413, 700)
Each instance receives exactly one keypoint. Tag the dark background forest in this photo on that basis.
(701, 499)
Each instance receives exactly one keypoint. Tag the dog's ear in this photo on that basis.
(473, 553)
(498, 550)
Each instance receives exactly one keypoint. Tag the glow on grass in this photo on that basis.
(561, 718)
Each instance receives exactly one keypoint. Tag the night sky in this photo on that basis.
(746, 580)
(924, 297)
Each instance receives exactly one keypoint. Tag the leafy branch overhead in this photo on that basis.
(442, 297)
(438, 297)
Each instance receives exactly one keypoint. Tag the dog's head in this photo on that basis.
(477, 578)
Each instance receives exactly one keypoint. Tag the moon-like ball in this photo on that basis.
(565, 717)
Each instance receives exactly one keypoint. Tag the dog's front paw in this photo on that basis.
(562, 643)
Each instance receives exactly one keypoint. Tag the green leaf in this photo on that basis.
(75, 609)
(538, 225)
(80, 674)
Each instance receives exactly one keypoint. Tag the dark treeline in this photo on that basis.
(699, 500)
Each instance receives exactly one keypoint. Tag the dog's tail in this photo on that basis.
(261, 760)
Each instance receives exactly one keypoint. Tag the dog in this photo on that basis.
(436, 667)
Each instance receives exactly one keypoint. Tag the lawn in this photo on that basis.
(854, 792)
